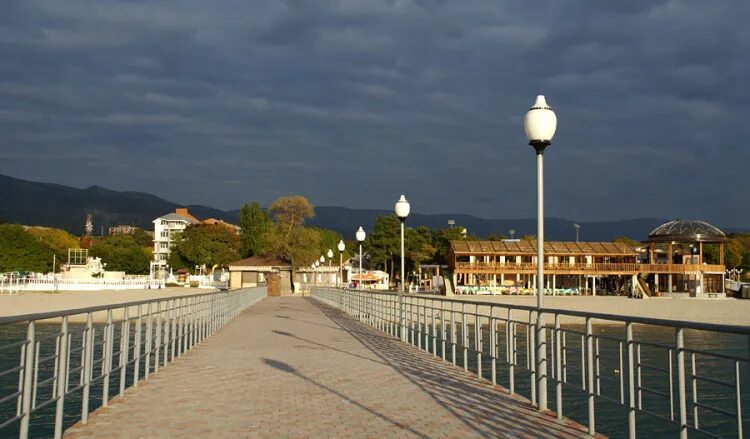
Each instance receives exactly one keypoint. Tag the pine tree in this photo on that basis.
(253, 230)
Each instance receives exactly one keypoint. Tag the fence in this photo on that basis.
(13, 285)
(684, 384)
(113, 345)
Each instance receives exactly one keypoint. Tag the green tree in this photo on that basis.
(121, 253)
(631, 242)
(57, 239)
(495, 237)
(442, 242)
(254, 225)
(419, 246)
(384, 243)
(290, 212)
(21, 251)
(142, 238)
(208, 244)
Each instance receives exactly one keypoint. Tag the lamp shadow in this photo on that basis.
(486, 411)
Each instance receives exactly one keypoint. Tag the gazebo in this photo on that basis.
(676, 258)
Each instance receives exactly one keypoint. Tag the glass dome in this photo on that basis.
(686, 231)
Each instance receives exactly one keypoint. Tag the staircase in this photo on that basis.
(642, 289)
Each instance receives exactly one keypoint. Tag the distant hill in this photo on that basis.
(54, 205)
(346, 221)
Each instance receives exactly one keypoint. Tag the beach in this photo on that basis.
(42, 302)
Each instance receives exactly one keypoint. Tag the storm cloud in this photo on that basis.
(353, 103)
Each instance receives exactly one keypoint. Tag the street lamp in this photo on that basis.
(341, 248)
(540, 124)
(402, 209)
(512, 233)
(578, 227)
(360, 235)
(330, 256)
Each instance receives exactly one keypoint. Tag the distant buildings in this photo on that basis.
(122, 230)
(165, 228)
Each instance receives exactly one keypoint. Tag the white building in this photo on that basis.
(164, 229)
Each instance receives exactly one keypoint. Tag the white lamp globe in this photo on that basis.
(540, 122)
(402, 208)
(341, 246)
(316, 264)
(361, 235)
(322, 259)
(330, 253)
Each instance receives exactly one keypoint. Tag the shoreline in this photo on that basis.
(728, 311)
(34, 302)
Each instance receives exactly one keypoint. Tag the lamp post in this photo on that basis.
(360, 235)
(512, 233)
(341, 248)
(402, 209)
(314, 279)
(330, 256)
(540, 124)
(578, 227)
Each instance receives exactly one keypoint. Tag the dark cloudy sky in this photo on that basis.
(352, 103)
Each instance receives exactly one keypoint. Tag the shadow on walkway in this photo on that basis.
(487, 411)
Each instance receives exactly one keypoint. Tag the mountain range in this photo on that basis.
(55, 205)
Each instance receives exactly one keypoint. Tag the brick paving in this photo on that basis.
(293, 367)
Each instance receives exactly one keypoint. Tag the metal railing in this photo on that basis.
(654, 376)
(64, 356)
(594, 267)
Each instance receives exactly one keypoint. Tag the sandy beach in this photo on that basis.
(39, 302)
(715, 311)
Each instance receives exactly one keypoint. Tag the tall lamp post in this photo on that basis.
(540, 124)
(402, 209)
(321, 261)
(341, 248)
(578, 228)
(360, 235)
(330, 257)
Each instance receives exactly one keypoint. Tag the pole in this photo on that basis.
(541, 346)
(341, 269)
(401, 288)
(359, 284)
(329, 272)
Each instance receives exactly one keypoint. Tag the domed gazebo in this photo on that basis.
(676, 258)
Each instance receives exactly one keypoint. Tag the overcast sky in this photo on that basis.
(352, 103)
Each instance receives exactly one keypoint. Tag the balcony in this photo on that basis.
(583, 268)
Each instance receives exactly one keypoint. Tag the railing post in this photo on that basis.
(591, 371)
(62, 378)
(159, 339)
(631, 379)
(137, 348)
(558, 369)
(510, 345)
(28, 374)
(107, 358)
(124, 349)
(88, 366)
(149, 342)
(680, 347)
(173, 333)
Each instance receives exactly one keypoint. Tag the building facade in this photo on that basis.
(165, 228)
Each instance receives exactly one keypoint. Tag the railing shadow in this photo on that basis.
(485, 411)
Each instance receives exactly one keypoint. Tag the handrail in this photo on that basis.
(75, 311)
(591, 267)
(448, 328)
(656, 321)
(124, 349)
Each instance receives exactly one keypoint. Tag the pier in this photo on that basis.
(339, 364)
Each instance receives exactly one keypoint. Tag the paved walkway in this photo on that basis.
(292, 367)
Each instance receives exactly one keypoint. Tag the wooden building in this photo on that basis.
(670, 262)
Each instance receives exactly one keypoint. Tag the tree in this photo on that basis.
(20, 251)
(495, 237)
(329, 239)
(254, 224)
(290, 212)
(209, 244)
(419, 246)
(121, 253)
(384, 242)
(57, 239)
